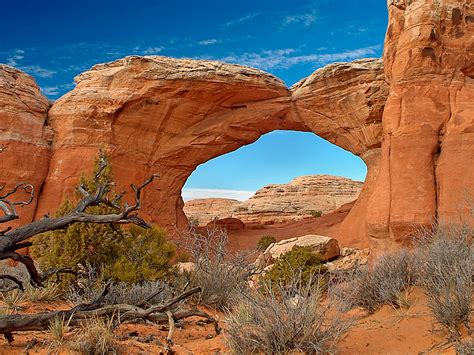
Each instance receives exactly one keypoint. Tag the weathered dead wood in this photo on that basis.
(12, 240)
(121, 312)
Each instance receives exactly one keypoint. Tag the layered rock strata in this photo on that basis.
(305, 196)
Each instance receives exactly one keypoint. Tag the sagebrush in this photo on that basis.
(281, 320)
(220, 273)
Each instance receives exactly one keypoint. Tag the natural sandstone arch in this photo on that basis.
(169, 116)
(412, 122)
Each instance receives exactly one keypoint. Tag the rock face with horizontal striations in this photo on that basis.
(426, 170)
(203, 210)
(305, 196)
(410, 118)
(24, 135)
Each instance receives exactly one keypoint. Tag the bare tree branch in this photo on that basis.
(40, 321)
(12, 240)
(18, 283)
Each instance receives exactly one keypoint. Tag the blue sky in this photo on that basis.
(54, 40)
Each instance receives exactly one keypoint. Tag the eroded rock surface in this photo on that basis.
(410, 119)
(303, 197)
(24, 134)
(156, 114)
(203, 210)
(426, 170)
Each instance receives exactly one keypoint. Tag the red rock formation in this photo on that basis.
(155, 114)
(426, 170)
(201, 211)
(23, 111)
(277, 203)
(170, 115)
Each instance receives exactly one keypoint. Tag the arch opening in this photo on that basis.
(285, 184)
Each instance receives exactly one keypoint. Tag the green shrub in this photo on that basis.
(128, 255)
(316, 214)
(299, 262)
(265, 242)
(144, 254)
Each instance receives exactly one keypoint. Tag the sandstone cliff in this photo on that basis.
(203, 210)
(278, 203)
(410, 119)
(426, 170)
(23, 133)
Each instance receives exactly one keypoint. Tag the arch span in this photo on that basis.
(156, 114)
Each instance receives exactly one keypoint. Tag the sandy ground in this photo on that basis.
(388, 331)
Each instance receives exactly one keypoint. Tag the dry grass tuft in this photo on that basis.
(280, 320)
(95, 336)
(11, 300)
(58, 328)
(388, 281)
(220, 274)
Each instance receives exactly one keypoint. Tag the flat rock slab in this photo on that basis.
(327, 247)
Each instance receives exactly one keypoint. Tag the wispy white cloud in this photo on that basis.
(152, 50)
(192, 194)
(56, 89)
(286, 58)
(50, 90)
(38, 71)
(306, 19)
(241, 19)
(16, 56)
(208, 42)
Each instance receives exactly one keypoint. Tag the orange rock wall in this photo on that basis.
(410, 119)
(24, 134)
(427, 154)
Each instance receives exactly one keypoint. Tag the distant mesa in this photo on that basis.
(304, 197)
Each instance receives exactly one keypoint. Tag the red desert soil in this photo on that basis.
(327, 224)
(388, 331)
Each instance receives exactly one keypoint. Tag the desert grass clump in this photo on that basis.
(58, 328)
(95, 336)
(445, 258)
(280, 320)
(386, 282)
(465, 348)
(219, 273)
(49, 292)
(10, 301)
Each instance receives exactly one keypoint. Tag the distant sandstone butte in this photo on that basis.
(203, 210)
(410, 118)
(279, 203)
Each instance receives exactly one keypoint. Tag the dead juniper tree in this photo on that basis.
(14, 239)
(11, 240)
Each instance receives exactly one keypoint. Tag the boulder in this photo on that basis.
(350, 258)
(327, 247)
